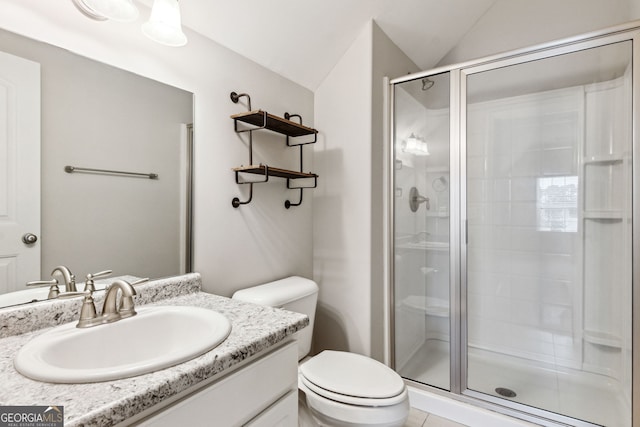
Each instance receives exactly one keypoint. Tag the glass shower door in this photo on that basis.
(421, 230)
(548, 251)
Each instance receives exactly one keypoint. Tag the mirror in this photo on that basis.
(96, 116)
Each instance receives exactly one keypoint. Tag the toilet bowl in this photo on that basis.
(341, 389)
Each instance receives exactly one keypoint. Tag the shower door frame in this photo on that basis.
(458, 225)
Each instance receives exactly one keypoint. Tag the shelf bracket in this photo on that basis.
(315, 134)
(288, 203)
(236, 203)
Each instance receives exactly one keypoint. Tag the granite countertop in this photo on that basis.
(254, 329)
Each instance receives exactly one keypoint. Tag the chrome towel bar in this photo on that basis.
(71, 169)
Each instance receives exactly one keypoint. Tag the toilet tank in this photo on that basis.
(292, 293)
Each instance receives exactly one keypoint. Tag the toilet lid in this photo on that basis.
(352, 374)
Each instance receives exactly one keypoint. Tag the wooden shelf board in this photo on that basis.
(274, 123)
(277, 172)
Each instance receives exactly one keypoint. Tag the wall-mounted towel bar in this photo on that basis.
(71, 169)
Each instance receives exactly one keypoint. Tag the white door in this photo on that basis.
(19, 171)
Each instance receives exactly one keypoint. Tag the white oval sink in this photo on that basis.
(154, 339)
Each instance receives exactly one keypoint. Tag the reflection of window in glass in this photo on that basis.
(557, 203)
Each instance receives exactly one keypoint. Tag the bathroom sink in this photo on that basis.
(156, 338)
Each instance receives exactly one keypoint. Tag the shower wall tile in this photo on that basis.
(557, 291)
(477, 190)
(501, 213)
(526, 263)
(524, 214)
(500, 237)
(476, 167)
(501, 190)
(559, 162)
(499, 166)
(526, 313)
(526, 164)
(523, 189)
(513, 264)
(557, 317)
(525, 239)
(525, 288)
(478, 213)
(558, 267)
(559, 243)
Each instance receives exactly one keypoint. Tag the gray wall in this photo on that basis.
(234, 248)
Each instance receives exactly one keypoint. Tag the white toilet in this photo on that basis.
(341, 389)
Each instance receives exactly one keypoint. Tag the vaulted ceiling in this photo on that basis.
(303, 39)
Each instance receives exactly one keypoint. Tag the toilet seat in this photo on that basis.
(351, 400)
(352, 379)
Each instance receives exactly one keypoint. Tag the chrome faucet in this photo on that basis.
(54, 290)
(69, 278)
(89, 284)
(111, 312)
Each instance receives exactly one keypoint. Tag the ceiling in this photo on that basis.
(304, 39)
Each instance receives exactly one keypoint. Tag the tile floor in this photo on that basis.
(422, 419)
(416, 418)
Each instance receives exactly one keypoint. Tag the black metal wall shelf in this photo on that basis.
(254, 120)
(263, 120)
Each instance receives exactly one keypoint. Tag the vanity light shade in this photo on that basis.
(416, 145)
(117, 10)
(164, 25)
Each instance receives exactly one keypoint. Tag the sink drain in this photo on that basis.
(506, 392)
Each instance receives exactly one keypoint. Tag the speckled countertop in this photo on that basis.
(254, 328)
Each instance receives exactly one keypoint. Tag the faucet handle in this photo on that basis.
(88, 314)
(139, 281)
(54, 290)
(42, 283)
(89, 284)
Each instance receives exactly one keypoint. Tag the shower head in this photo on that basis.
(440, 184)
(427, 83)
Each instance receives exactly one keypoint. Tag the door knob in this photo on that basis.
(29, 238)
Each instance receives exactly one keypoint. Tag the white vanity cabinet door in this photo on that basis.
(240, 397)
(283, 413)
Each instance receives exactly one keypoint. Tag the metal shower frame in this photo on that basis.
(458, 254)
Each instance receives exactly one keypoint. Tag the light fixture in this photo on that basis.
(415, 145)
(117, 10)
(164, 25)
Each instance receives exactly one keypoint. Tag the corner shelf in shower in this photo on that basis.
(602, 338)
(603, 160)
(603, 214)
(256, 120)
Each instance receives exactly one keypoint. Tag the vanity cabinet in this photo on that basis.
(261, 393)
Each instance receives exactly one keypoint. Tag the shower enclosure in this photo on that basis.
(512, 218)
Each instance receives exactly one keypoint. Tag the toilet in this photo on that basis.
(341, 389)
